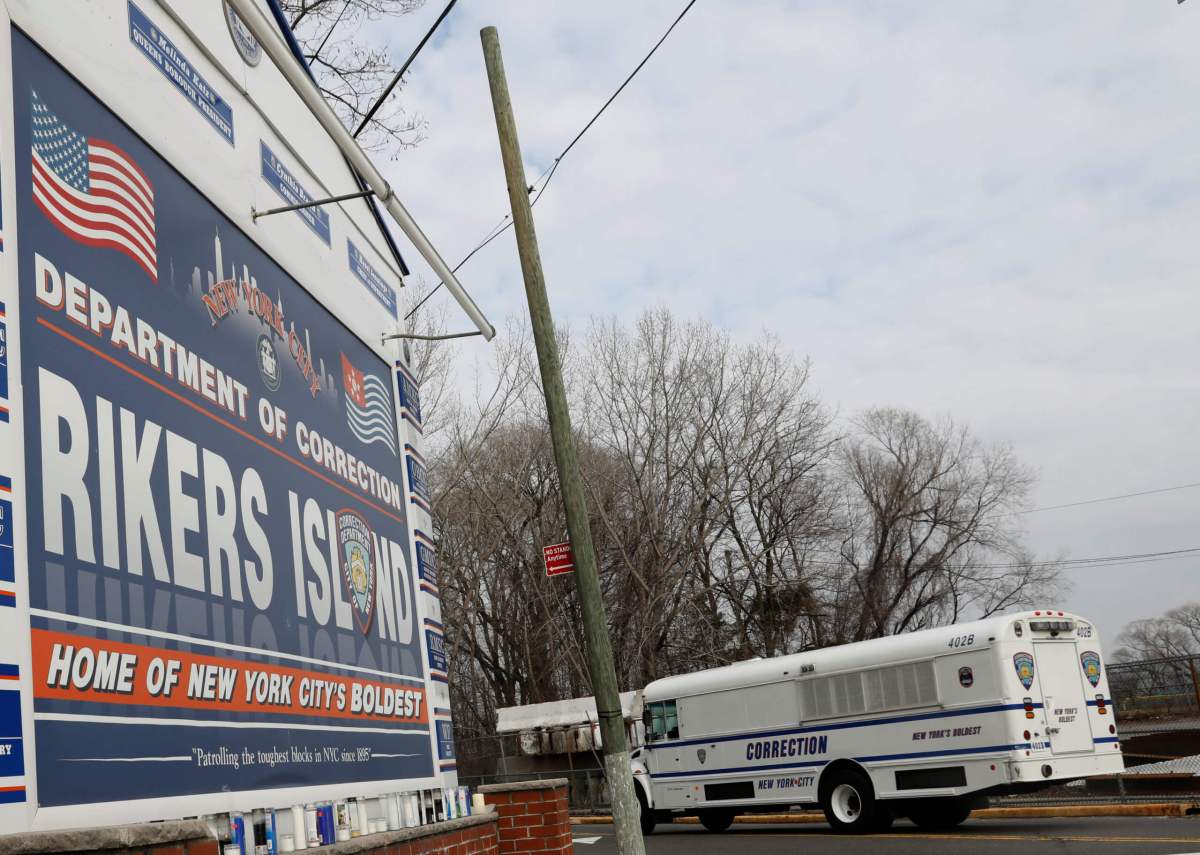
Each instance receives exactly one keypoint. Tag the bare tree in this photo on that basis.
(765, 468)
(429, 361)
(1175, 633)
(643, 406)
(729, 518)
(352, 70)
(929, 533)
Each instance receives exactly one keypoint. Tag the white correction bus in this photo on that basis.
(924, 725)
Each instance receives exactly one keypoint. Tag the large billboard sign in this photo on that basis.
(220, 591)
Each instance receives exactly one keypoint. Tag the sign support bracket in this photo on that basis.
(255, 214)
(393, 336)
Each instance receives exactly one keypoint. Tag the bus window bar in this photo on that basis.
(255, 214)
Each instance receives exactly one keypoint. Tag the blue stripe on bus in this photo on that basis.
(773, 766)
(841, 725)
(1107, 703)
(946, 752)
(1106, 739)
(987, 749)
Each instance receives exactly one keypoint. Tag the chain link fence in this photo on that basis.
(1157, 710)
(1156, 695)
(500, 758)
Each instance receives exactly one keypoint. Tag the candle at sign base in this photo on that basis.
(363, 824)
(299, 838)
(392, 806)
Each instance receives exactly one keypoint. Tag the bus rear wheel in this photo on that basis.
(940, 814)
(715, 819)
(849, 803)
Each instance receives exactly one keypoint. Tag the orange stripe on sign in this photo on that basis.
(297, 691)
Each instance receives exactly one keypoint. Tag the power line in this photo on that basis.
(1069, 564)
(624, 83)
(1112, 498)
(336, 21)
(399, 74)
(1066, 563)
(549, 171)
(1093, 561)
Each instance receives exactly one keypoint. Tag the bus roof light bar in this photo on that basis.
(296, 77)
(254, 215)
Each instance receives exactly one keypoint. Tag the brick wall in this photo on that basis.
(532, 816)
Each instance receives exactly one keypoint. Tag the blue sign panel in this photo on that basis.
(168, 59)
(291, 191)
(436, 645)
(10, 705)
(426, 563)
(445, 739)
(12, 752)
(7, 562)
(3, 365)
(410, 394)
(12, 757)
(418, 480)
(371, 278)
(201, 484)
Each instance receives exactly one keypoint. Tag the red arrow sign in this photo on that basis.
(559, 559)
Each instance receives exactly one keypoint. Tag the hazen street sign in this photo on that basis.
(559, 559)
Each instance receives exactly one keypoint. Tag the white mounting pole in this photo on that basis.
(299, 80)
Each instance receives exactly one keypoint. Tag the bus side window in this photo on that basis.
(662, 721)
(671, 720)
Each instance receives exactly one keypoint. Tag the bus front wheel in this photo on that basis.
(849, 803)
(715, 819)
(646, 816)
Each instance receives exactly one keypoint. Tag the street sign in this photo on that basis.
(559, 559)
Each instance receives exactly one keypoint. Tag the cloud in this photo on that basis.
(978, 210)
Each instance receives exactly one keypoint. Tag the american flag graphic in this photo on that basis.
(91, 190)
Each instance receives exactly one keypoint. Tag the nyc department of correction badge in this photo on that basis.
(1023, 662)
(1091, 666)
(357, 552)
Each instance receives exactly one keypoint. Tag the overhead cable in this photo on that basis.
(549, 171)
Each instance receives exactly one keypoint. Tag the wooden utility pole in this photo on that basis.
(595, 626)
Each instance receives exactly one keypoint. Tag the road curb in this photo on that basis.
(1170, 809)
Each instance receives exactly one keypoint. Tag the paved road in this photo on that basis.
(1093, 836)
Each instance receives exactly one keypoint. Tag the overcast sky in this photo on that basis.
(987, 210)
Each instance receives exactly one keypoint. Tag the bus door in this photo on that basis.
(1062, 692)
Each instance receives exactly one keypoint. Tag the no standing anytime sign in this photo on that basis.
(559, 559)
